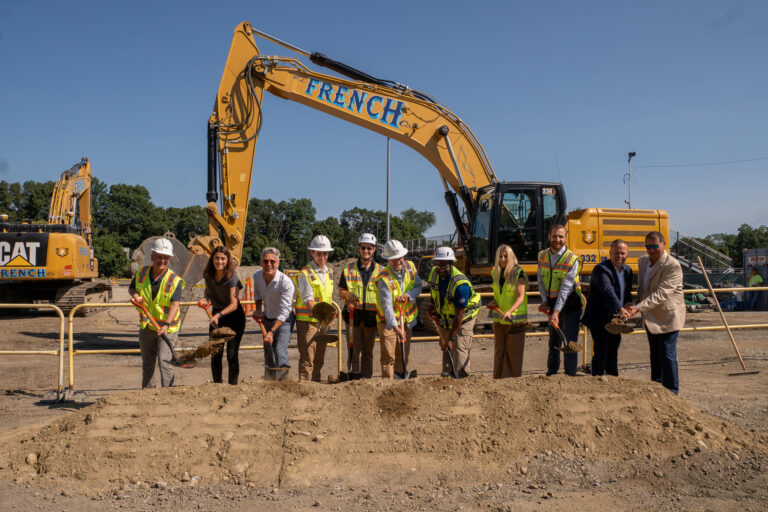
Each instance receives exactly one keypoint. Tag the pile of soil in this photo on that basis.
(298, 434)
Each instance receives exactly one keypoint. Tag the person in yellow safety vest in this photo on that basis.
(456, 303)
(315, 284)
(753, 298)
(560, 289)
(160, 291)
(397, 283)
(357, 287)
(509, 284)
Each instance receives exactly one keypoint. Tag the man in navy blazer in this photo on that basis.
(610, 289)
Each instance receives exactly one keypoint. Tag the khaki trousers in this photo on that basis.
(461, 350)
(155, 352)
(507, 352)
(311, 352)
(391, 356)
(363, 339)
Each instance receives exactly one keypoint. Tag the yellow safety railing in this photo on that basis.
(60, 352)
(72, 352)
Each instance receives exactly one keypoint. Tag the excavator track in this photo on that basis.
(90, 292)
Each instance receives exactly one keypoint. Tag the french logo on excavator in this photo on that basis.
(588, 236)
(358, 102)
(19, 256)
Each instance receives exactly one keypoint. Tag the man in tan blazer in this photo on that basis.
(660, 301)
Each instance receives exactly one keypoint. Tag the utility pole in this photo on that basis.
(388, 176)
(628, 179)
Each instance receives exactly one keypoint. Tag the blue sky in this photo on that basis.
(554, 90)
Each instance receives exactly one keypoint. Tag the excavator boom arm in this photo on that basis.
(412, 118)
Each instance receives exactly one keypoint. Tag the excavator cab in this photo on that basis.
(518, 214)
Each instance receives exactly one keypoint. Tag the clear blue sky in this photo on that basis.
(555, 91)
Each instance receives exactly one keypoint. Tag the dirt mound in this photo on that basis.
(276, 433)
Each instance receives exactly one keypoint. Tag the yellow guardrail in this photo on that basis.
(60, 352)
(71, 342)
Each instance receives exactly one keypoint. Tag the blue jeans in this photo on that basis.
(276, 353)
(664, 359)
(752, 299)
(569, 324)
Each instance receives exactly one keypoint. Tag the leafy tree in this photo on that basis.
(129, 214)
(113, 261)
(423, 220)
(186, 222)
(36, 201)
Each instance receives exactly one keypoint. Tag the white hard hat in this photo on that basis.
(393, 250)
(444, 254)
(162, 246)
(367, 238)
(320, 243)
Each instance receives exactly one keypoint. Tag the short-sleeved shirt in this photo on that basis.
(218, 293)
(460, 298)
(155, 283)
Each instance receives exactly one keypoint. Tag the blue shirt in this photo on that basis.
(622, 284)
(460, 299)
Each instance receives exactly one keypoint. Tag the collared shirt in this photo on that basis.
(565, 286)
(622, 283)
(647, 275)
(277, 296)
(305, 288)
(385, 297)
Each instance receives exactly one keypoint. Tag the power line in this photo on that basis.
(709, 163)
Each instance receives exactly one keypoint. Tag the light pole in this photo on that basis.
(388, 180)
(628, 179)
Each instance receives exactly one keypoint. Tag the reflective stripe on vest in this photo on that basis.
(553, 275)
(160, 306)
(409, 280)
(322, 293)
(355, 285)
(507, 296)
(445, 308)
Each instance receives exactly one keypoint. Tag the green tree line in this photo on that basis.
(734, 245)
(124, 215)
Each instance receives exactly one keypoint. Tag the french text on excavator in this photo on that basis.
(21, 272)
(385, 110)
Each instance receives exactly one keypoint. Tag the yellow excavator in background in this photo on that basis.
(494, 212)
(54, 262)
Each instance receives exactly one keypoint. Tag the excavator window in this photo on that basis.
(517, 223)
(550, 207)
(480, 246)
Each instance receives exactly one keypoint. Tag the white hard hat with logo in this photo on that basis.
(444, 254)
(393, 250)
(367, 238)
(320, 243)
(162, 246)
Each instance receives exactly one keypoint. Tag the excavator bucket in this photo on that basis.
(188, 266)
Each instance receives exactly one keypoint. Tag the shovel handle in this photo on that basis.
(206, 306)
(263, 330)
(152, 320)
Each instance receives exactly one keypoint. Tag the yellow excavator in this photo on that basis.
(494, 211)
(54, 262)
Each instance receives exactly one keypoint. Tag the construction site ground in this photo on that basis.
(535, 443)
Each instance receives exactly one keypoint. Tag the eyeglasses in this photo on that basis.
(269, 262)
(443, 263)
(651, 246)
(367, 247)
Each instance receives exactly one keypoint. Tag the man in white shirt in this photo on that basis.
(273, 297)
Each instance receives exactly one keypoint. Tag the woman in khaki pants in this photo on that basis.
(509, 286)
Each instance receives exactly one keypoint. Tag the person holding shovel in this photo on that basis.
(315, 284)
(222, 292)
(357, 287)
(398, 283)
(273, 296)
(560, 290)
(159, 290)
(509, 284)
(456, 305)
